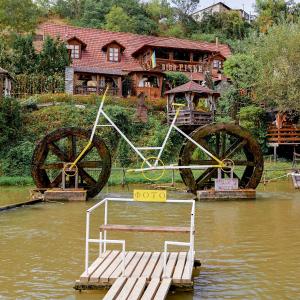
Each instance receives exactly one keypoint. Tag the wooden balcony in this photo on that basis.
(87, 90)
(287, 135)
(191, 117)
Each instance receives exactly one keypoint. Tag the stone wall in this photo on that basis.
(69, 80)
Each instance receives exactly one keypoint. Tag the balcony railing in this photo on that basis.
(289, 134)
(191, 117)
(87, 90)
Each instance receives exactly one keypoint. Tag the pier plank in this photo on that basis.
(179, 267)
(115, 289)
(142, 264)
(157, 273)
(138, 289)
(187, 274)
(84, 277)
(101, 269)
(118, 270)
(151, 289)
(163, 289)
(127, 288)
(132, 265)
(113, 266)
(171, 264)
(151, 265)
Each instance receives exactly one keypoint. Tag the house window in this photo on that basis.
(113, 54)
(75, 51)
(162, 53)
(217, 64)
(181, 55)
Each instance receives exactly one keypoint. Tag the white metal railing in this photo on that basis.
(103, 241)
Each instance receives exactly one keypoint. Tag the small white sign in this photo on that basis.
(227, 184)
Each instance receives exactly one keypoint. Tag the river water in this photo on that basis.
(248, 249)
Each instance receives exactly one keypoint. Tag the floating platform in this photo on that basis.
(136, 274)
(212, 194)
(65, 194)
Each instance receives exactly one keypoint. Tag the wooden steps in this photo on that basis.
(135, 289)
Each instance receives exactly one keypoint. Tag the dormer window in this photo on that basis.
(113, 54)
(217, 64)
(75, 47)
(113, 50)
(75, 51)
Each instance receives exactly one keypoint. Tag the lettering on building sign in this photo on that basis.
(150, 195)
(182, 68)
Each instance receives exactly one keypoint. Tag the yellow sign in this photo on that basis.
(150, 195)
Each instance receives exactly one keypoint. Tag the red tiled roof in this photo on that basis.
(95, 39)
(192, 86)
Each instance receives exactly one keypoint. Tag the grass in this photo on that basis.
(272, 170)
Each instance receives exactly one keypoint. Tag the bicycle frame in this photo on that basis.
(138, 150)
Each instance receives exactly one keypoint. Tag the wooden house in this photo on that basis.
(130, 63)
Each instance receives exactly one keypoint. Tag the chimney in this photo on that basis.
(217, 42)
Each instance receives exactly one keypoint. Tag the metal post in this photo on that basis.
(63, 182)
(76, 180)
(87, 236)
(173, 177)
(165, 260)
(100, 244)
(105, 223)
(123, 259)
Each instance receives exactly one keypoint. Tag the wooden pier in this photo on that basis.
(138, 274)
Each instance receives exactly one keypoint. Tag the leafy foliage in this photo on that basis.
(10, 122)
(18, 16)
(54, 57)
(176, 78)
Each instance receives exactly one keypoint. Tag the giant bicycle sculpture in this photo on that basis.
(209, 150)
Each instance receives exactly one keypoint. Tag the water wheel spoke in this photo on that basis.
(223, 144)
(244, 163)
(58, 152)
(52, 166)
(57, 180)
(205, 176)
(72, 147)
(87, 177)
(218, 143)
(234, 148)
(91, 164)
(203, 162)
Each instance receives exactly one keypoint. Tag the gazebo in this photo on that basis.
(5, 83)
(191, 93)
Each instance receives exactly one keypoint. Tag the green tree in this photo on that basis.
(118, 20)
(270, 12)
(24, 55)
(54, 57)
(278, 59)
(19, 16)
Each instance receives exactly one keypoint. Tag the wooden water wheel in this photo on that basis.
(225, 141)
(62, 146)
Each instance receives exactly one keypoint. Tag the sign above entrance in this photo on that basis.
(150, 195)
(182, 67)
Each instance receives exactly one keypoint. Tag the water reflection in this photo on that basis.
(248, 249)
